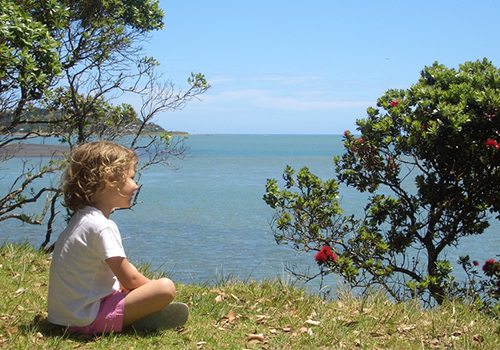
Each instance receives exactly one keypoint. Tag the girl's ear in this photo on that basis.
(110, 179)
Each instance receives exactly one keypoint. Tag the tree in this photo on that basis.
(29, 62)
(90, 56)
(428, 158)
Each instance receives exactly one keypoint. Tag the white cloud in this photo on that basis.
(273, 104)
(291, 103)
(279, 92)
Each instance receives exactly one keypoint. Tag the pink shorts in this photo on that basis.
(109, 318)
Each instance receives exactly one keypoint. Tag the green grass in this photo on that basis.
(238, 315)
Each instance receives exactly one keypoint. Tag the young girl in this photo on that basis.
(93, 288)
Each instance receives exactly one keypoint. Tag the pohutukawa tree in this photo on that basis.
(62, 64)
(429, 158)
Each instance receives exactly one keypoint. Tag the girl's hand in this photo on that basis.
(123, 289)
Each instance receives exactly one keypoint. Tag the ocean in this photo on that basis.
(207, 221)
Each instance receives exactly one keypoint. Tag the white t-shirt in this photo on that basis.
(79, 274)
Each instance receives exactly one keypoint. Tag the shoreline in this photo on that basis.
(33, 150)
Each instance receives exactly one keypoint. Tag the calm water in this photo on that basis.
(208, 219)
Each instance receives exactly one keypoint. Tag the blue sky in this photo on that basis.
(309, 67)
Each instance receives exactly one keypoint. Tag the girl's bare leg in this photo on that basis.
(148, 298)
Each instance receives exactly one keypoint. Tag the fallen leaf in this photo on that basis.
(434, 342)
(258, 337)
(304, 329)
(261, 319)
(221, 295)
(367, 310)
(313, 323)
(231, 316)
(405, 328)
(478, 337)
(254, 306)
(287, 329)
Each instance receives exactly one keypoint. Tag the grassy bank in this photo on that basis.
(236, 315)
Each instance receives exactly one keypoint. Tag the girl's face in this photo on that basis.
(126, 190)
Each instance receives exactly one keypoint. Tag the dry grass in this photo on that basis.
(237, 315)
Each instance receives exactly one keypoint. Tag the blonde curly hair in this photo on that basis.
(92, 167)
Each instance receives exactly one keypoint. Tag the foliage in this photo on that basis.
(428, 158)
(71, 60)
(235, 315)
(29, 62)
(482, 288)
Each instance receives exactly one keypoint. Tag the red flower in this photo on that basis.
(488, 265)
(475, 263)
(394, 103)
(329, 254)
(491, 142)
(324, 255)
(320, 257)
(326, 249)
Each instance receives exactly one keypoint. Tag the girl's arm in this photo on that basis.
(122, 288)
(127, 274)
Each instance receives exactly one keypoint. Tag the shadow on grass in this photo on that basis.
(44, 327)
